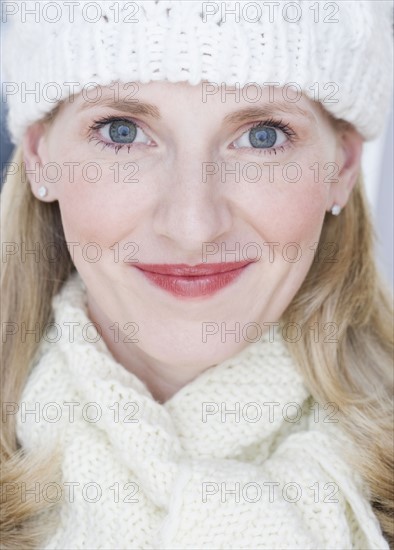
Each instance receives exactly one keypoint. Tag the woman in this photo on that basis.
(211, 363)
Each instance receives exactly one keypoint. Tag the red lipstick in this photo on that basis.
(190, 281)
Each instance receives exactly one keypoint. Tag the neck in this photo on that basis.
(162, 379)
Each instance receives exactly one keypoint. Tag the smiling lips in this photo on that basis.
(186, 281)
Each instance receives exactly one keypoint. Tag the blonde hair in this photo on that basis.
(355, 373)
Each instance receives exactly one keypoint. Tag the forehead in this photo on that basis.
(232, 104)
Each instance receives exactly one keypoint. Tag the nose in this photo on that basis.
(192, 211)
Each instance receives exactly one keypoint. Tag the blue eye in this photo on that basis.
(263, 136)
(122, 131)
(118, 133)
(266, 135)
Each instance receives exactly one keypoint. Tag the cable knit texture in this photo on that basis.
(339, 53)
(169, 479)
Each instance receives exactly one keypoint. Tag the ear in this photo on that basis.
(348, 161)
(35, 157)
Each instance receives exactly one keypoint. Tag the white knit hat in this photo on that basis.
(340, 53)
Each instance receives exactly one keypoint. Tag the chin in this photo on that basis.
(199, 356)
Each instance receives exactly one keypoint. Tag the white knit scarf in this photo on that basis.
(189, 473)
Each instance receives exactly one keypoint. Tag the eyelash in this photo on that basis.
(98, 124)
(272, 123)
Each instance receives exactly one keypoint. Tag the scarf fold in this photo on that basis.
(238, 458)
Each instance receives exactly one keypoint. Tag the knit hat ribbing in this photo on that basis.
(340, 53)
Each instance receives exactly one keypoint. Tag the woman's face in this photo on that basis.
(192, 180)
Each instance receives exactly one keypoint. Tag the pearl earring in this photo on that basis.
(42, 191)
(336, 209)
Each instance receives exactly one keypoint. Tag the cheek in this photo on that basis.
(291, 203)
(101, 195)
(287, 211)
(298, 214)
(100, 202)
(288, 219)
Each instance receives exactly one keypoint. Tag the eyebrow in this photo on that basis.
(136, 107)
(266, 111)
